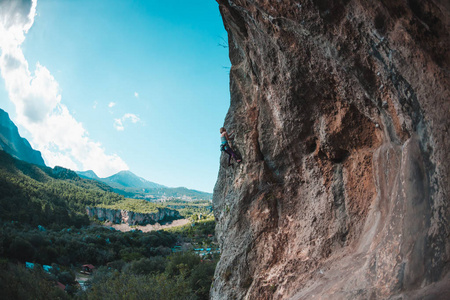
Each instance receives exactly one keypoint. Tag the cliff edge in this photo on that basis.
(119, 216)
(341, 114)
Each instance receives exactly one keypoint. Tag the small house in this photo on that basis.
(87, 269)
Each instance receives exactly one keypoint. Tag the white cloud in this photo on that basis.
(36, 96)
(16, 18)
(118, 123)
(132, 117)
(94, 106)
(136, 94)
(111, 104)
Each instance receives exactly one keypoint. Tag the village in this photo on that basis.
(194, 238)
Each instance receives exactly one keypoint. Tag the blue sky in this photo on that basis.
(111, 85)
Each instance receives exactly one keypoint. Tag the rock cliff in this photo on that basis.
(340, 111)
(119, 216)
(12, 143)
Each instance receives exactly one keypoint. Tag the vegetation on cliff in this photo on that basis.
(135, 205)
(190, 208)
(195, 210)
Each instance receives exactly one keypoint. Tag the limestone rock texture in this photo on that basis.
(340, 111)
(119, 216)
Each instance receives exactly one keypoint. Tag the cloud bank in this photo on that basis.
(55, 132)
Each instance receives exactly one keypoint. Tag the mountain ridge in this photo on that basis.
(89, 174)
(12, 143)
(48, 196)
(126, 178)
(130, 185)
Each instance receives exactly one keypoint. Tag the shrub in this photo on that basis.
(146, 266)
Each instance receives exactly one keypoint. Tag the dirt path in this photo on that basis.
(147, 228)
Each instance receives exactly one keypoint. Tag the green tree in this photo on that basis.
(18, 283)
(180, 262)
(66, 277)
(21, 249)
(146, 266)
(201, 278)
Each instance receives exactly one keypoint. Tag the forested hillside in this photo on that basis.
(48, 197)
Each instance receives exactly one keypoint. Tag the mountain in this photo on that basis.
(130, 185)
(126, 179)
(40, 195)
(12, 143)
(122, 180)
(165, 193)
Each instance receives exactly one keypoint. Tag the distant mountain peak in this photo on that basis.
(129, 184)
(127, 172)
(127, 179)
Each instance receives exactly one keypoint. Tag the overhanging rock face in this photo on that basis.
(341, 113)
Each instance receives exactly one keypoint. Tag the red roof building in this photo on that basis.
(87, 268)
(61, 286)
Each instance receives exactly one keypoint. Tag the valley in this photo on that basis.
(47, 235)
(332, 179)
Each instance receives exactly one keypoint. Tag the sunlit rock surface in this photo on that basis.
(119, 216)
(341, 115)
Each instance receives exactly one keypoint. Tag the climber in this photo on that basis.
(225, 146)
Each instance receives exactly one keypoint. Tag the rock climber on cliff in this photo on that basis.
(225, 145)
